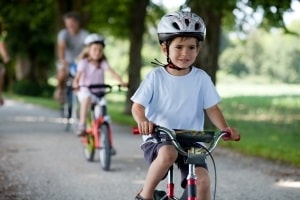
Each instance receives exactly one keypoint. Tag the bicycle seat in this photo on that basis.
(190, 136)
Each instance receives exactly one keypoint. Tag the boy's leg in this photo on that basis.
(203, 184)
(167, 155)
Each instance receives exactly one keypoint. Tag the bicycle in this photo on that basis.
(67, 106)
(198, 145)
(98, 134)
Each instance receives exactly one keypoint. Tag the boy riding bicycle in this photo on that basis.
(176, 96)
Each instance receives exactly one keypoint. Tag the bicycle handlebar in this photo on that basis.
(190, 135)
(107, 88)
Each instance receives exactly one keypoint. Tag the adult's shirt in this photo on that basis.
(74, 43)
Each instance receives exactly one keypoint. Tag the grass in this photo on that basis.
(269, 124)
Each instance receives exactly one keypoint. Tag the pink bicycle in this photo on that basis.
(197, 146)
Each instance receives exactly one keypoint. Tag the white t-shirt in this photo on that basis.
(74, 44)
(177, 102)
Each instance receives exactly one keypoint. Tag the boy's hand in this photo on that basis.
(234, 134)
(145, 127)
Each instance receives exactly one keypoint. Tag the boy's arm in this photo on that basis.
(216, 117)
(144, 125)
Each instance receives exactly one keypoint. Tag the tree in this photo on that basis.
(215, 14)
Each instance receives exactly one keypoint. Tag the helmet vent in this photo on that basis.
(197, 26)
(187, 22)
(176, 25)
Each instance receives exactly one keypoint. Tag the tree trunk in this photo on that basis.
(137, 28)
(209, 53)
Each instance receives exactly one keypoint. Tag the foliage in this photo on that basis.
(29, 25)
(273, 55)
(32, 88)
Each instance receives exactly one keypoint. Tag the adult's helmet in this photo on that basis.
(181, 23)
(94, 38)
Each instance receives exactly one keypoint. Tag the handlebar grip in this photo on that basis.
(135, 131)
(227, 136)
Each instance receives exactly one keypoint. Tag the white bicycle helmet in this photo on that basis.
(181, 23)
(94, 38)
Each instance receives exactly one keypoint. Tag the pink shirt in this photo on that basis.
(90, 73)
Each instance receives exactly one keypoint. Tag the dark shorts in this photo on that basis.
(151, 147)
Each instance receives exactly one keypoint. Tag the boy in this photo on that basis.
(176, 96)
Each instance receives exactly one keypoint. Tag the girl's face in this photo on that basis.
(95, 51)
(183, 51)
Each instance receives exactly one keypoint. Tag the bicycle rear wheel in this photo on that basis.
(89, 147)
(75, 114)
(104, 151)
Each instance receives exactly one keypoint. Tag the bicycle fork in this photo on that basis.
(191, 183)
(170, 184)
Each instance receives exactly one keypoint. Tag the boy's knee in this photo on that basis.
(167, 155)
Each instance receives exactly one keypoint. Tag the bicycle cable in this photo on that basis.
(214, 167)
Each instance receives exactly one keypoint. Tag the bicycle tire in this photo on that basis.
(104, 151)
(75, 115)
(89, 147)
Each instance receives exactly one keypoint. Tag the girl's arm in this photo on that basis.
(116, 76)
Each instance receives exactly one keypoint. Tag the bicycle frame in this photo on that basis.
(192, 136)
(94, 130)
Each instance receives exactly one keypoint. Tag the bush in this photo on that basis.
(32, 88)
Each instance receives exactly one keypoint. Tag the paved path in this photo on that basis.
(39, 161)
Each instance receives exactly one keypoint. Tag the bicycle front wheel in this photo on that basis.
(89, 147)
(104, 151)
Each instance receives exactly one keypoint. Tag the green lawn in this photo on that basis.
(269, 125)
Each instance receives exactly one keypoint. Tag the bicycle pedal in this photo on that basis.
(160, 195)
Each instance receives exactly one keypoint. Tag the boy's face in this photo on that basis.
(183, 51)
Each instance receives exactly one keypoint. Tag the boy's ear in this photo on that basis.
(164, 48)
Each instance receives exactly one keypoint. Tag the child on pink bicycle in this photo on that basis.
(176, 96)
(91, 68)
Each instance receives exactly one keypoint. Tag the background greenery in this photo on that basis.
(259, 51)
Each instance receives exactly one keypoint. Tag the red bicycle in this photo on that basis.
(99, 133)
(197, 146)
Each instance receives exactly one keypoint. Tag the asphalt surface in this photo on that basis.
(40, 161)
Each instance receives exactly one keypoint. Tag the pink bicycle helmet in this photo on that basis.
(94, 38)
(181, 23)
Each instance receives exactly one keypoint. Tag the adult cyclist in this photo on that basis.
(70, 42)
